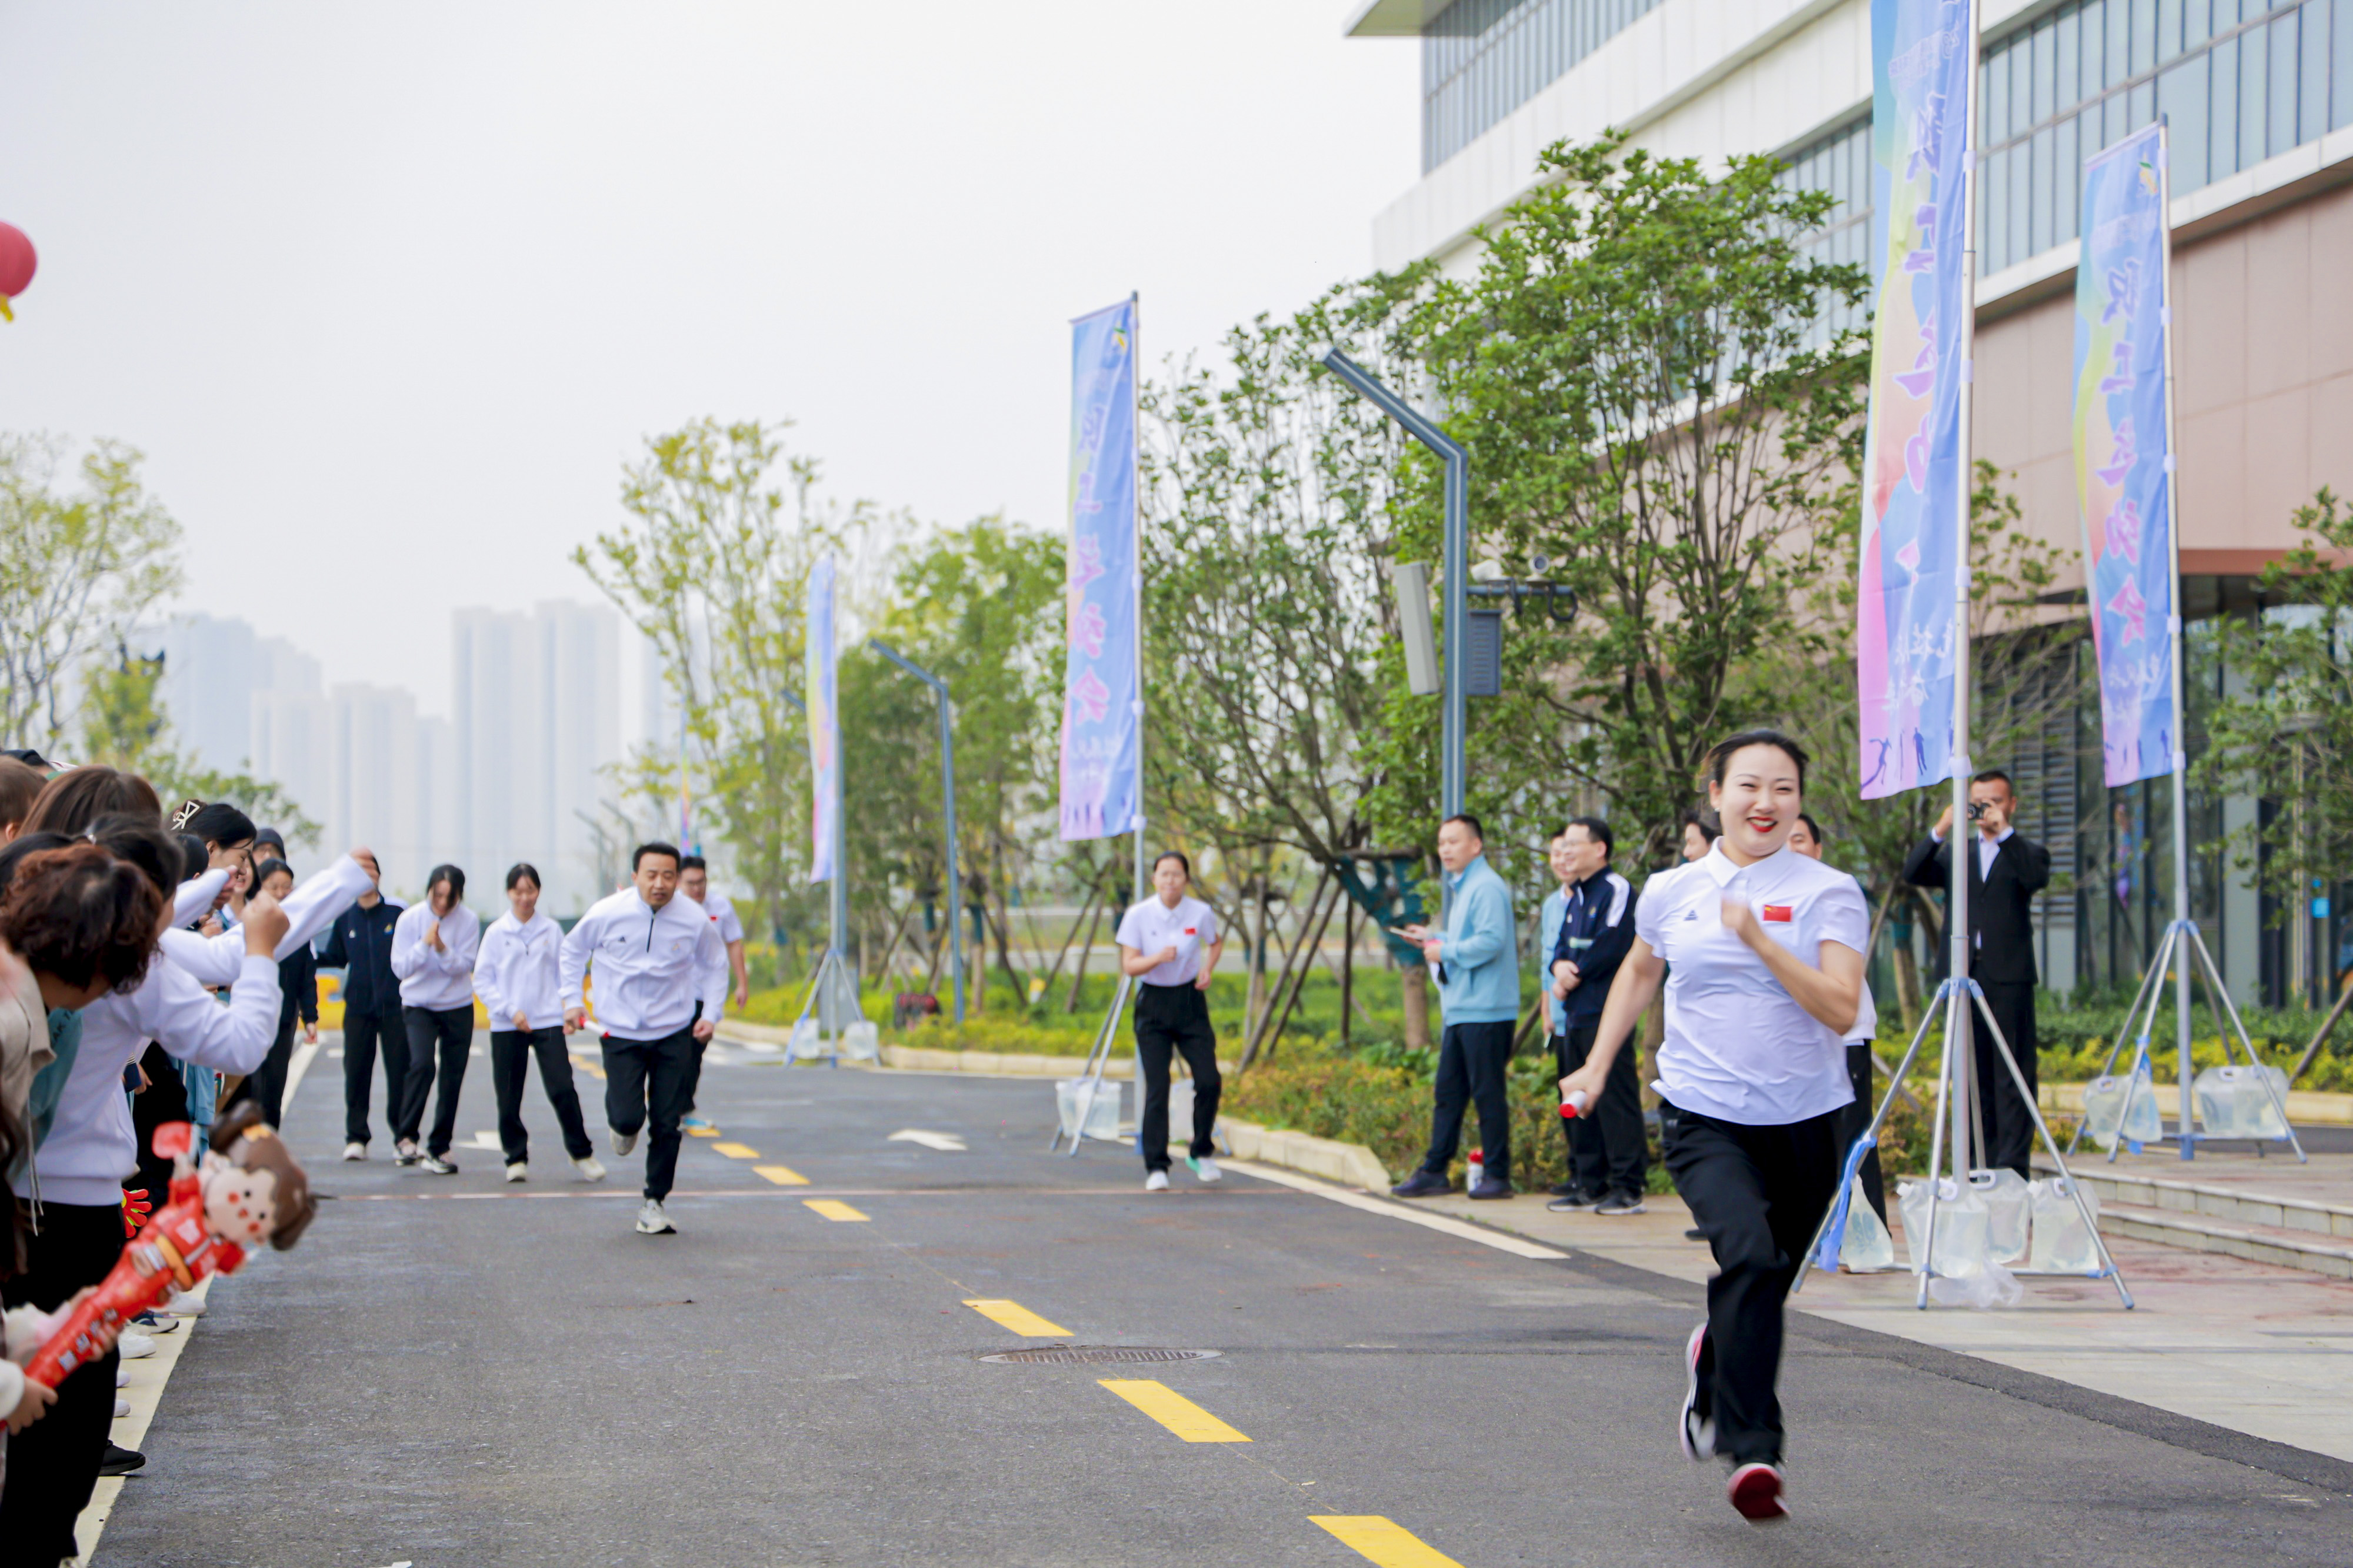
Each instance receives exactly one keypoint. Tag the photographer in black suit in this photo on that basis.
(2005, 872)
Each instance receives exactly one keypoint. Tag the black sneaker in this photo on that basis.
(119, 1461)
(1494, 1187)
(1575, 1200)
(1565, 1189)
(1422, 1184)
(1695, 1234)
(1619, 1203)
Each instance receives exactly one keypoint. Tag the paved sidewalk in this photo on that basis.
(2264, 1351)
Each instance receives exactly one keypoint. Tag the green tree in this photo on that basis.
(1634, 374)
(724, 526)
(76, 572)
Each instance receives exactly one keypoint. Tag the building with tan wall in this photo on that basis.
(2258, 96)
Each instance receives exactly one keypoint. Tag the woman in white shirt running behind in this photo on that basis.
(516, 975)
(1765, 950)
(433, 947)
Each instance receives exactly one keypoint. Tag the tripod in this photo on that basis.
(1955, 1000)
(1091, 1075)
(2181, 943)
(831, 970)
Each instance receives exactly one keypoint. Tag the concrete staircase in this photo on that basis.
(2260, 1226)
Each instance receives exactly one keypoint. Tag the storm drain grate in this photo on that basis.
(1099, 1354)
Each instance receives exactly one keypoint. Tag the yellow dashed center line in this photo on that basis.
(1013, 1315)
(833, 1208)
(703, 1132)
(1173, 1410)
(782, 1175)
(735, 1151)
(1390, 1544)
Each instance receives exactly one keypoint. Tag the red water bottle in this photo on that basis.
(1478, 1172)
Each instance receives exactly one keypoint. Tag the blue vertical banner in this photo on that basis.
(1915, 474)
(1101, 698)
(2123, 452)
(824, 719)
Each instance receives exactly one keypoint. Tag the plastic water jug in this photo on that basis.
(2233, 1103)
(2103, 1108)
(2064, 1244)
(1963, 1227)
(1088, 1108)
(1866, 1244)
(2007, 1212)
(804, 1041)
(861, 1042)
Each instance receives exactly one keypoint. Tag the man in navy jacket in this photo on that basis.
(360, 944)
(1608, 1154)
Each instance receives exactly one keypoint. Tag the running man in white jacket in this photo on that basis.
(516, 976)
(655, 956)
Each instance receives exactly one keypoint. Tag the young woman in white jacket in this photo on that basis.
(433, 949)
(516, 976)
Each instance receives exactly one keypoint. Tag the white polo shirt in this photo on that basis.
(1738, 1048)
(1191, 927)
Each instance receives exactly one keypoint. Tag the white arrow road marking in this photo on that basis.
(946, 1142)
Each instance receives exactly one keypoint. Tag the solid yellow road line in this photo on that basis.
(782, 1175)
(1390, 1544)
(703, 1132)
(1173, 1410)
(833, 1208)
(735, 1151)
(1020, 1319)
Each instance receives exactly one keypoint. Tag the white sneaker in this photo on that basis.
(121, 1377)
(406, 1153)
(590, 1168)
(437, 1164)
(517, 1170)
(354, 1151)
(1157, 1181)
(622, 1141)
(133, 1345)
(1206, 1169)
(651, 1221)
(121, 1408)
(183, 1305)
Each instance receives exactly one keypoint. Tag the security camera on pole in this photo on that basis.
(1913, 642)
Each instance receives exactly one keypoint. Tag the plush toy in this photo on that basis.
(248, 1191)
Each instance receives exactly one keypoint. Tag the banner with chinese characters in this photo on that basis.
(1914, 472)
(824, 719)
(1102, 704)
(2123, 445)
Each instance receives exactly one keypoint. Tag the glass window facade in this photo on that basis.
(2239, 81)
(1482, 58)
(1840, 164)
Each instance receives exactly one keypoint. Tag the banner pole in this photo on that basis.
(1962, 841)
(2180, 758)
(1135, 492)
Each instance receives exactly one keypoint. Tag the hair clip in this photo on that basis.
(188, 809)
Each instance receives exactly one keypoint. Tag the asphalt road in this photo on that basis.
(451, 1371)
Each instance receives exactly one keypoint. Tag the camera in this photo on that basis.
(1976, 810)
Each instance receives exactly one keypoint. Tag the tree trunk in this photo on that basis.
(1078, 973)
(1414, 981)
(1305, 962)
(1347, 967)
(2327, 1027)
(1062, 956)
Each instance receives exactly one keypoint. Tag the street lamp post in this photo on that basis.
(948, 800)
(1457, 564)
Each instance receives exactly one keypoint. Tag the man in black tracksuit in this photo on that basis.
(360, 944)
(1609, 1157)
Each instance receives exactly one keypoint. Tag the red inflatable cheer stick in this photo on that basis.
(16, 264)
(1573, 1105)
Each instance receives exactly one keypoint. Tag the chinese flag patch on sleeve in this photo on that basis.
(1778, 913)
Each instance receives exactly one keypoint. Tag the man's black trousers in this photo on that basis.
(1757, 1192)
(2009, 1125)
(448, 1034)
(1608, 1151)
(362, 1032)
(511, 1051)
(1472, 1058)
(1168, 1019)
(651, 1079)
(1855, 1119)
(53, 1464)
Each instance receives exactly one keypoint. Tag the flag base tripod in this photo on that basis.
(2182, 942)
(1090, 1076)
(1954, 1001)
(831, 970)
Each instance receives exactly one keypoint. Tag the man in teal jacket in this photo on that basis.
(1477, 962)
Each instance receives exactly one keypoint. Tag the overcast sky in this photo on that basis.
(388, 294)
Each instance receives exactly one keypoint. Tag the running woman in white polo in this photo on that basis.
(1765, 949)
(1170, 945)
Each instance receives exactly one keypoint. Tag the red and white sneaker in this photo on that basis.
(1694, 1430)
(1754, 1492)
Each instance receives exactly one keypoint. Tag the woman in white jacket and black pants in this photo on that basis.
(516, 976)
(433, 949)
